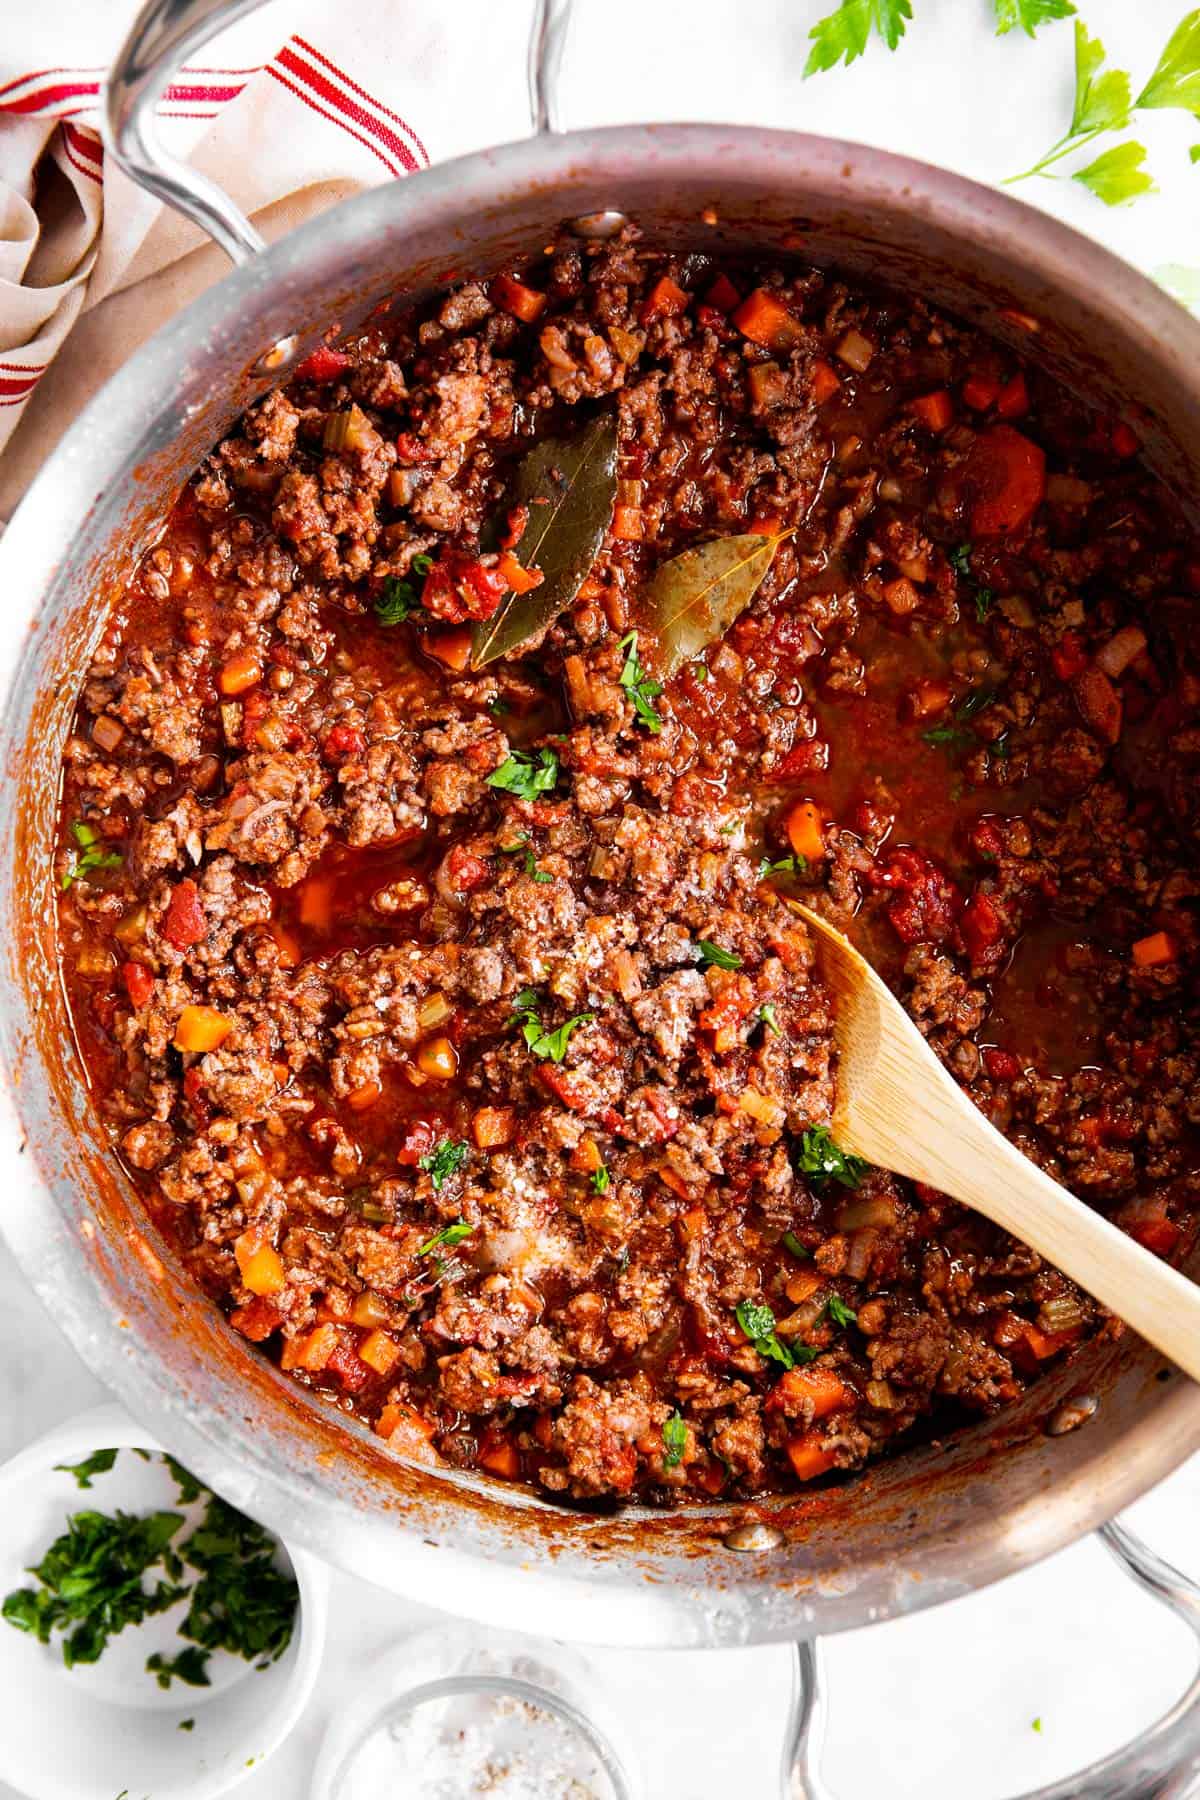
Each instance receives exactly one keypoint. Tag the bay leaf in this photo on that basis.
(569, 486)
(694, 599)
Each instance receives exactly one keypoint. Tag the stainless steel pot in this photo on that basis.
(928, 1526)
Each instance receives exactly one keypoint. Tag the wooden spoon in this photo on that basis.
(898, 1108)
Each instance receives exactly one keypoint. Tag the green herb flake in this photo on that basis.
(88, 855)
(675, 1439)
(187, 1724)
(792, 1244)
(983, 603)
(642, 690)
(758, 1322)
(841, 1314)
(98, 1463)
(526, 774)
(713, 957)
(960, 559)
(822, 1160)
(783, 865)
(529, 863)
(190, 1666)
(843, 35)
(243, 1602)
(601, 1179)
(548, 1046)
(90, 1582)
(1037, 1724)
(767, 1015)
(444, 1162)
(448, 1235)
(399, 599)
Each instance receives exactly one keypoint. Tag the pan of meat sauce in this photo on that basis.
(439, 798)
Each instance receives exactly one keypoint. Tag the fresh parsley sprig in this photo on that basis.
(448, 1235)
(526, 773)
(548, 1046)
(758, 1322)
(843, 34)
(823, 1160)
(443, 1162)
(88, 856)
(641, 688)
(713, 957)
(675, 1436)
(399, 599)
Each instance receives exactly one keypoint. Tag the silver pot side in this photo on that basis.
(931, 1525)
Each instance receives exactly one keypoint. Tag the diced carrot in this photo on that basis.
(627, 524)
(438, 1059)
(826, 382)
(316, 902)
(370, 1309)
(242, 671)
(453, 648)
(311, 1350)
(513, 296)
(519, 579)
(406, 1431)
(665, 299)
(803, 1285)
(722, 295)
(901, 596)
(1013, 399)
(1045, 1344)
(934, 410)
(765, 320)
(201, 1028)
(362, 1099)
(492, 1127)
(1006, 473)
(380, 1352)
(710, 1476)
(586, 1156)
(287, 944)
(804, 831)
(927, 698)
(1068, 658)
(695, 1223)
(980, 390)
(1159, 1235)
(1124, 440)
(261, 1265)
(808, 1456)
(1159, 947)
(1099, 703)
(822, 1388)
(499, 1456)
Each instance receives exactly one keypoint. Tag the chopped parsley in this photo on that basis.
(448, 1235)
(767, 1015)
(758, 1322)
(960, 559)
(713, 957)
(956, 735)
(187, 1724)
(549, 1046)
(530, 860)
(841, 1314)
(785, 865)
(641, 688)
(190, 1666)
(792, 1243)
(975, 702)
(90, 1581)
(88, 856)
(983, 603)
(674, 1433)
(601, 1179)
(822, 1160)
(98, 1463)
(398, 599)
(1037, 1724)
(443, 1162)
(526, 774)
(242, 1603)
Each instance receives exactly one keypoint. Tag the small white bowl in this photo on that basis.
(93, 1732)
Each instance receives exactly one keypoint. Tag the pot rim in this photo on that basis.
(626, 1608)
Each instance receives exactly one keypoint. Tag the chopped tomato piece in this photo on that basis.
(980, 390)
(818, 1388)
(322, 365)
(460, 587)
(451, 648)
(1068, 656)
(981, 926)
(513, 296)
(344, 740)
(1004, 475)
(1001, 1065)
(499, 1456)
(1124, 440)
(465, 871)
(184, 923)
(139, 983)
(826, 382)
(1159, 947)
(925, 903)
(520, 580)
(1013, 399)
(419, 1139)
(722, 295)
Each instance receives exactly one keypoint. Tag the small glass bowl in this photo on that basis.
(460, 1712)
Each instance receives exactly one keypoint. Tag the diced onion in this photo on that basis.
(855, 351)
(107, 732)
(878, 1210)
(858, 1256)
(1124, 647)
(433, 1011)
(1063, 1313)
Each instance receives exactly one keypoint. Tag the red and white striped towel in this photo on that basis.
(298, 97)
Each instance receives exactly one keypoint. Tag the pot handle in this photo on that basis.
(1158, 1765)
(162, 37)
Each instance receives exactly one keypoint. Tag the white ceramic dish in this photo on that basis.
(97, 1732)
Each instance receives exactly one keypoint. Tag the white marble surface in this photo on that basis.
(1069, 1643)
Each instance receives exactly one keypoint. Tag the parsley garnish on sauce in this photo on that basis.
(89, 855)
(398, 599)
(448, 1235)
(674, 1433)
(758, 1322)
(530, 860)
(713, 957)
(549, 1046)
(601, 1179)
(785, 865)
(792, 1243)
(841, 1314)
(526, 775)
(822, 1160)
(957, 735)
(643, 691)
(767, 1015)
(443, 1162)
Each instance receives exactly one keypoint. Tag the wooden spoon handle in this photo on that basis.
(980, 1167)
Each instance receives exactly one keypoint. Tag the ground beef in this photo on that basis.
(455, 1022)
